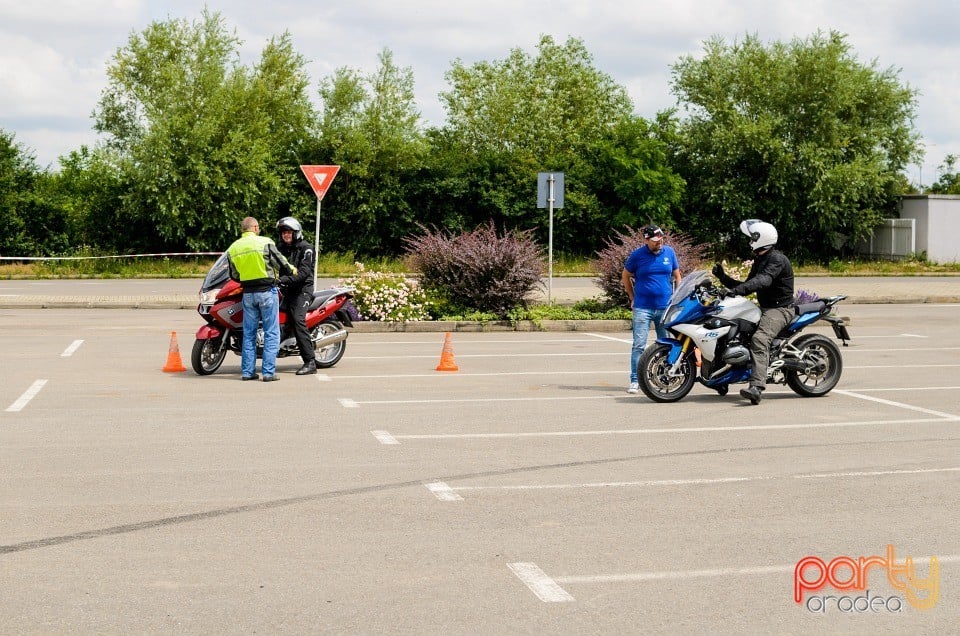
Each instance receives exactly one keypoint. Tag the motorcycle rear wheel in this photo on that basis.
(825, 365)
(207, 355)
(331, 354)
(652, 373)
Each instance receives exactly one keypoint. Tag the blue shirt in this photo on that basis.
(653, 276)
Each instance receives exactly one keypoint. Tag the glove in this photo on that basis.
(739, 290)
(285, 281)
(717, 270)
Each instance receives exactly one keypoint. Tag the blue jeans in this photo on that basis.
(260, 307)
(641, 327)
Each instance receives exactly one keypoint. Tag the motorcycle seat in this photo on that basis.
(322, 296)
(806, 308)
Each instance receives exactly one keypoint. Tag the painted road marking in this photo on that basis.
(900, 405)
(442, 491)
(69, 351)
(446, 490)
(28, 395)
(350, 403)
(548, 589)
(670, 431)
(384, 437)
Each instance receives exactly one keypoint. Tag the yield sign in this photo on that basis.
(320, 178)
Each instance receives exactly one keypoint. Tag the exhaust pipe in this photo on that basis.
(330, 339)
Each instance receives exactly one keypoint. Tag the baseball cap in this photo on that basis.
(653, 232)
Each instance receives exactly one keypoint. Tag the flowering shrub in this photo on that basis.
(739, 272)
(803, 296)
(386, 297)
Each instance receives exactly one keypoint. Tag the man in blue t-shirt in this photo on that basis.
(649, 276)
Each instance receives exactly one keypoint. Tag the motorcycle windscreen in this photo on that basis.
(218, 275)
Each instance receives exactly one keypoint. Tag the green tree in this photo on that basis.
(509, 119)
(949, 181)
(92, 188)
(200, 139)
(802, 135)
(370, 127)
(34, 224)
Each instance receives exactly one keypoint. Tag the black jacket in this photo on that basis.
(300, 254)
(771, 277)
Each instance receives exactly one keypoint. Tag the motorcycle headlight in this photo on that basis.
(672, 314)
(209, 297)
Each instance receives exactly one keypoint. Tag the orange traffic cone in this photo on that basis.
(446, 356)
(174, 363)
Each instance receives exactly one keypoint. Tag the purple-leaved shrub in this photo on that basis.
(609, 261)
(481, 270)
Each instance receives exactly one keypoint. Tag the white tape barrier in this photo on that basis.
(82, 258)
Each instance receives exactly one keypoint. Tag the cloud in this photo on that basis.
(54, 53)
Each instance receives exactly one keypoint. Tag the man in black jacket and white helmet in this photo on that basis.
(771, 277)
(298, 289)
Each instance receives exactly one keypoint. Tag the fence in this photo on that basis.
(895, 239)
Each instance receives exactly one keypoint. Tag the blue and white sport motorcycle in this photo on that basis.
(704, 316)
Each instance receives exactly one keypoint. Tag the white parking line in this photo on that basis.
(539, 583)
(591, 354)
(675, 431)
(350, 403)
(901, 366)
(384, 437)
(69, 351)
(548, 589)
(446, 492)
(474, 375)
(28, 395)
(442, 491)
(900, 405)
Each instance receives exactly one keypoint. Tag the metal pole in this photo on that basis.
(550, 245)
(316, 245)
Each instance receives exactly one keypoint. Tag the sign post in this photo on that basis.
(319, 178)
(550, 194)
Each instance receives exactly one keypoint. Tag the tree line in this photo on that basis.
(800, 133)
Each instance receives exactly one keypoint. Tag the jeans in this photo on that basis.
(641, 327)
(263, 306)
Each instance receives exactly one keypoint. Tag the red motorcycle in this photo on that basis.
(221, 305)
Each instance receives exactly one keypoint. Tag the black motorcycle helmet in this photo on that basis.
(290, 223)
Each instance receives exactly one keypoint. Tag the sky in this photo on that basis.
(54, 53)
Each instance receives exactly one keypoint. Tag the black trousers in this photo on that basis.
(296, 308)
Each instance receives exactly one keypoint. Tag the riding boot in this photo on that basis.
(308, 368)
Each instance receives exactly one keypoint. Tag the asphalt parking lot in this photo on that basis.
(526, 492)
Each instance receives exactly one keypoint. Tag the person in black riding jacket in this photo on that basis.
(298, 289)
(771, 277)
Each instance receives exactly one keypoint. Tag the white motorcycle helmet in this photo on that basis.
(761, 234)
(290, 223)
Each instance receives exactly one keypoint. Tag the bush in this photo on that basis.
(609, 261)
(387, 297)
(479, 270)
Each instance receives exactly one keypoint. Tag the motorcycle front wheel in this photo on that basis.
(823, 366)
(331, 354)
(207, 355)
(653, 369)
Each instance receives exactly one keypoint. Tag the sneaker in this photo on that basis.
(634, 387)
